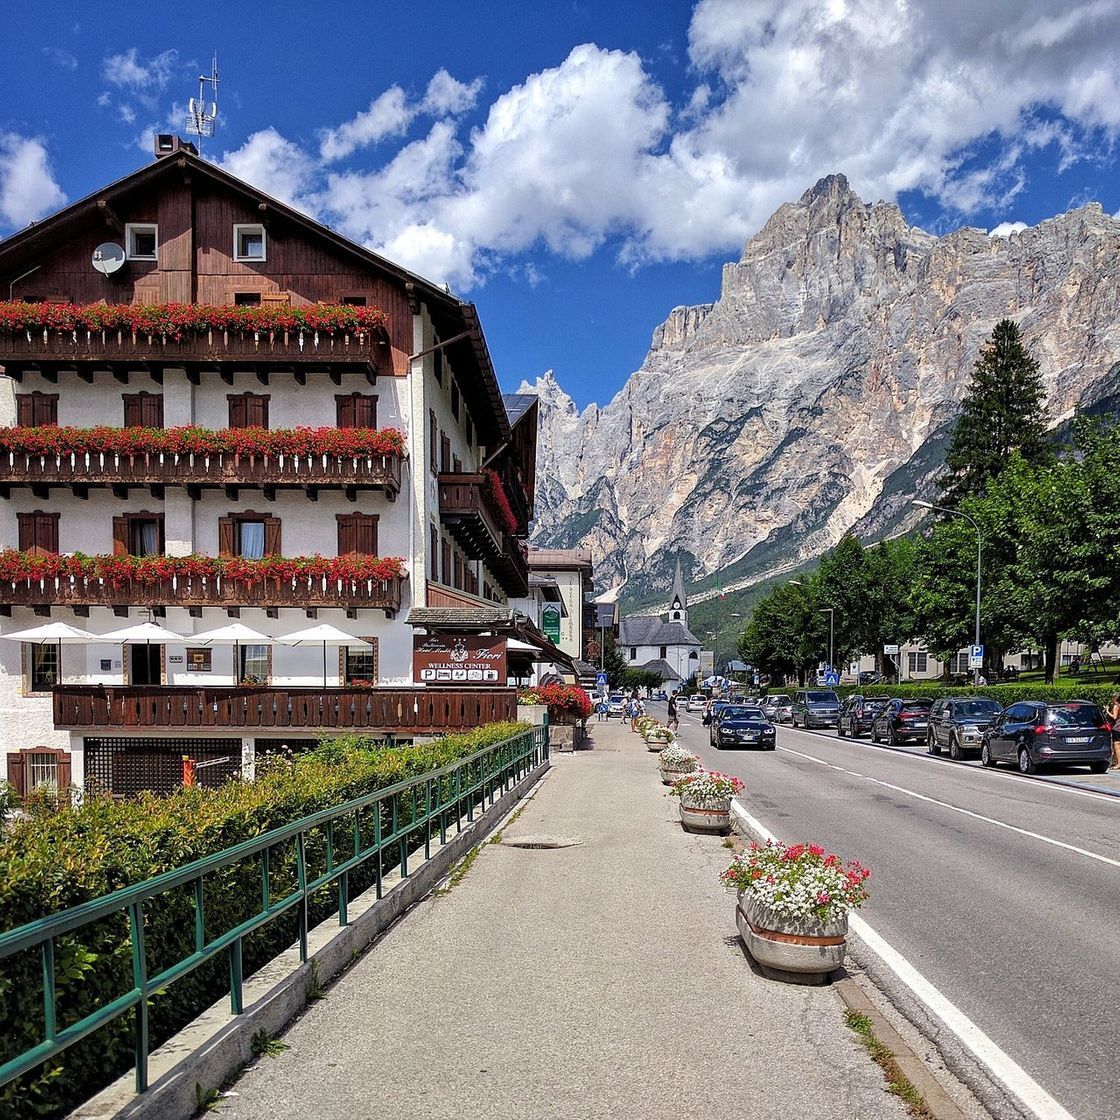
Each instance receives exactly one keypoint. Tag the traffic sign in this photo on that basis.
(601, 680)
(831, 677)
(890, 648)
(976, 657)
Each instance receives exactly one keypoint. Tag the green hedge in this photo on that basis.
(1002, 694)
(59, 861)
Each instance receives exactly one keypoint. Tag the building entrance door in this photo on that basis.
(145, 665)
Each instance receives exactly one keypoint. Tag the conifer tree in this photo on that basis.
(1003, 411)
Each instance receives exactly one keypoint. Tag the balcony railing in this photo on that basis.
(512, 567)
(467, 507)
(55, 349)
(396, 710)
(187, 590)
(20, 468)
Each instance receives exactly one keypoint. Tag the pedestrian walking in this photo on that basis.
(635, 710)
(674, 720)
(1113, 712)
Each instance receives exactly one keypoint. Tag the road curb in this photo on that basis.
(937, 1100)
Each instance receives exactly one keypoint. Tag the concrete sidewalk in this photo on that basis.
(604, 979)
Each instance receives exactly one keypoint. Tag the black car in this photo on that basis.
(958, 723)
(857, 715)
(902, 720)
(740, 726)
(1032, 735)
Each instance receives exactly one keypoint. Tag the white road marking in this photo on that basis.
(1036, 783)
(995, 1059)
(956, 808)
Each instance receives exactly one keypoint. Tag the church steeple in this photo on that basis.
(678, 605)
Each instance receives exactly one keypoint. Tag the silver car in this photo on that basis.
(778, 708)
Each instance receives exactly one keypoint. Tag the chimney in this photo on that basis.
(168, 144)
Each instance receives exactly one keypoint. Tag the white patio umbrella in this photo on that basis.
(57, 632)
(325, 633)
(143, 633)
(235, 634)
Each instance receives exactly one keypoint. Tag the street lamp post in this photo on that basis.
(979, 546)
(831, 617)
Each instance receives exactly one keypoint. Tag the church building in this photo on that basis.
(662, 643)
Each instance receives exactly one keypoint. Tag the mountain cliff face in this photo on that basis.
(817, 394)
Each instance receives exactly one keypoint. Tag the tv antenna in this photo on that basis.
(202, 115)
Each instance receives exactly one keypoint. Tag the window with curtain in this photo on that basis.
(44, 666)
(144, 535)
(251, 539)
(254, 663)
(361, 664)
(42, 770)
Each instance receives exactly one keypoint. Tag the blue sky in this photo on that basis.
(578, 169)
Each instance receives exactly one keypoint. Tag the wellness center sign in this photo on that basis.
(458, 659)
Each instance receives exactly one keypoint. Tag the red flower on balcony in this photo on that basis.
(338, 443)
(177, 320)
(498, 493)
(566, 703)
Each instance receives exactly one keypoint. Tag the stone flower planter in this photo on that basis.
(657, 744)
(671, 774)
(806, 950)
(705, 816)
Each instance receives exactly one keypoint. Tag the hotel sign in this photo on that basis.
(458, 659)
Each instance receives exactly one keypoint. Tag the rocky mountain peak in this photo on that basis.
(816, 393)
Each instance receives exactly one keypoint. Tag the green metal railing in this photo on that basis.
(404, 818)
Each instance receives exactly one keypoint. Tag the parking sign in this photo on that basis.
(976, 657)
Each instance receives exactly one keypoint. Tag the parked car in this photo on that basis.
(958, 723)
(870, 676)
(616, 705)
(901, 720)
(778, 708)
(815, 707)
(662, 695)
(738, 725)
(1031, 735)
(857, 714)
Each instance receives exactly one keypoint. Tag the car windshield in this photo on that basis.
(977, 709)
(1077, 715)
(917, 705)
(741, 712)
(820, 697)
(779, 700)
(616, 698)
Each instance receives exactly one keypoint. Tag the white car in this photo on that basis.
(696, 703)
(616, 705)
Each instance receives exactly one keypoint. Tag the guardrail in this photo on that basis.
(397, 822)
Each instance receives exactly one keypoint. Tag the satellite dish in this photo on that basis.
(108, 258)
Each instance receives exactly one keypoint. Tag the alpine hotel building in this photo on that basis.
(247, 420)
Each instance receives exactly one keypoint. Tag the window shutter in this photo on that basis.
(272, 536)
(120, 536)
(346, 546)
(64, 771)
(446, 563)
(46, 532)
(345, 406)
(458, 570)
(433, 534)
(365, 411)
(444, 452)
(256, 410)
(365, 534)
(236, 410)
(26, 531)
(151, 410)
(46, 408)
(16, 773)
(25, 410)
(132, 410)
(433, 440)
(225, 536)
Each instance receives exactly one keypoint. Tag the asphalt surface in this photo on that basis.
(601, 980)
(992, 885)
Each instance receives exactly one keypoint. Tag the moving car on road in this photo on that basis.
(616, 705)
(815, 707)
(902, 720)
(1031, 735)
(697, 702)
(740, 726)
(857, 714)
(958, 723)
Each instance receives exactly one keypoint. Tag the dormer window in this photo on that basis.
(141, 241)
(248, 244)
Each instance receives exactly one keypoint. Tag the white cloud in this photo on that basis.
(126, 113)
(446, 96)
(1006, 229)
(387, 115)
(129, 71)
(273, 164)
(27, 185)
(62, 59)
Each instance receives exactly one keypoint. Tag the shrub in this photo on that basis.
(566, 703)
(1003, 694)
(58, 861)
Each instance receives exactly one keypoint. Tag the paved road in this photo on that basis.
(1021, 932)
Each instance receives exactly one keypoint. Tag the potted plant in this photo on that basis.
(676, 762)
(659, 737)
(706, 800)
(792, 907)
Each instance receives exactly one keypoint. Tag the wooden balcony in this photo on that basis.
(80, 471)
(468, 509)
(512, 567)
(48, 352)
(197, 591)
(404, 711)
